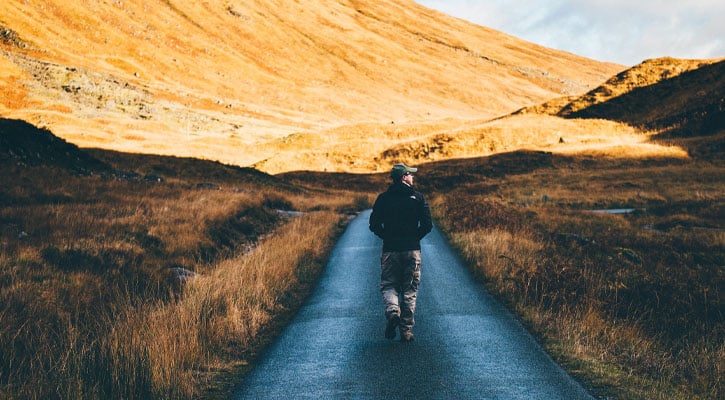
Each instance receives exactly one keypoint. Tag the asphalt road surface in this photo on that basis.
(467, 346)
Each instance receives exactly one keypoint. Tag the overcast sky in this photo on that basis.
(623, 31)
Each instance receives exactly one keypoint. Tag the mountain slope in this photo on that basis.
(680, 101)
(659, 98)
(662, 93)
(688, 104)
(220, 79)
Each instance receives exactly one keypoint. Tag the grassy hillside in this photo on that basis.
(116, 269)
(660, 108)
(683, 104)
(674, 101)
(631, 303)
(226, 80)
(326, 86)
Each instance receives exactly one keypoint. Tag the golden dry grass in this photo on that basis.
(648, 73)
(316, 85)
(375, 148)
(630, 304)
(92, 306)
(219, 315)
(228, 80)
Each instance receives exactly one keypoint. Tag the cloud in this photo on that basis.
(622, 31)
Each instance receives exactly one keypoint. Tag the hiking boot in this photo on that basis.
(390, 328)
(406, 336)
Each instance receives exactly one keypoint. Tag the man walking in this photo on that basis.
(401, 217)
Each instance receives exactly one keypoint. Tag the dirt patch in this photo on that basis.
(15, 95)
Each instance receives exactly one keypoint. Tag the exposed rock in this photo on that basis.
(153, 178)
(10, 37)
(182, 274)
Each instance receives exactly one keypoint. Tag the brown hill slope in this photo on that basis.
(656, 94)
(625, 117)
(660, 98)
(222, 79)
(682, 101)
(689, 104)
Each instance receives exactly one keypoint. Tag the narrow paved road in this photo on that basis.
(467, 346)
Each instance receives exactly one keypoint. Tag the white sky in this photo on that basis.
(622, 31)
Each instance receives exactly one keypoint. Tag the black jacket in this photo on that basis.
(401, 217)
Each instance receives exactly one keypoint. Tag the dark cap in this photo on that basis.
(401, 169)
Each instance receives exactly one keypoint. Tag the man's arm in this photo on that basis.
(375, 222)
(425, 224)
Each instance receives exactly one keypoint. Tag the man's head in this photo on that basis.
(400, 171)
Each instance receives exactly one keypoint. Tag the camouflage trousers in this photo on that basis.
(399, 281)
